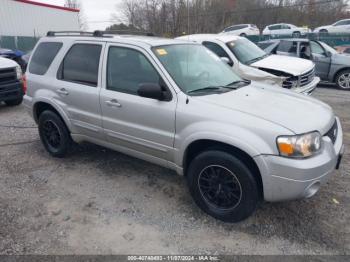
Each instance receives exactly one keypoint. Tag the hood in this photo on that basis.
(254, 74)
(291, 65)
(340, 59)
(5, 63)
(298, 113)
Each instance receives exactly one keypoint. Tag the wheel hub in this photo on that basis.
(220, 187)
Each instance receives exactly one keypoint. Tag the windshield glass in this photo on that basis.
(194, 67)
(328, 48)
(246, 51)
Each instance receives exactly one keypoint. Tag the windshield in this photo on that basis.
(194, 67)
(246, 51)
(328, 48)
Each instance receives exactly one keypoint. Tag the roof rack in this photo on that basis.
(97, 33)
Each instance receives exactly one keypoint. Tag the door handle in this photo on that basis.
(62, 91)
(113, 103)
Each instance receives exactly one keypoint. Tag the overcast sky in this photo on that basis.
(97, 12)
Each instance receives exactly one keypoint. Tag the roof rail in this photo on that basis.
(97, 33)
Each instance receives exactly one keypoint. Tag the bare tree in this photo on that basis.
(76, 4)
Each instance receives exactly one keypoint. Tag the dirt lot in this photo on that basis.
(98, 201)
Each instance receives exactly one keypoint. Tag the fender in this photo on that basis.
(223, 133)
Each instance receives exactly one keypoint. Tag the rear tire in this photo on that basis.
(14, 102)
(222, 186)
(54, 134)
(343, 80)
(296, 34)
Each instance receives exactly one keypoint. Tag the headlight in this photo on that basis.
(19, 72)
(299, 146)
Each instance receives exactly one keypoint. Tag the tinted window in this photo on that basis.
(218, 50)
(43, 57)
(81, 64)
(235, 27)
(287, 47)
(345, 22)
(275, 27)
(127, 69)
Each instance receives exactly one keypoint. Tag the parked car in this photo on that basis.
(342, 26)
(286, 29)
(175, 104)
(252, 63)
(12, 86)
(15, 55)
(330, 65)
(25, 59)
(242, 30)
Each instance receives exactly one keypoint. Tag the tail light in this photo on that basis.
(24, 83)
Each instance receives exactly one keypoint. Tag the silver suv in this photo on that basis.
(176, 104)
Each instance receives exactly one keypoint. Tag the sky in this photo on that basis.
(97, 13)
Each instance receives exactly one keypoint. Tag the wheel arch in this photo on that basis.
(201, 145)
(41, 106)
(338, 72)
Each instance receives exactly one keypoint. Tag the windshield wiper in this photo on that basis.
(257, 59)
(204, 89)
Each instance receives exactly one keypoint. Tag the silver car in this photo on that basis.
(176, 104)
(331, 66)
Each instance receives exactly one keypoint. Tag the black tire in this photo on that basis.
(236, 208)
(342, 80)
(296, 34)
(14, 102)
(54, 134)
(243, 35)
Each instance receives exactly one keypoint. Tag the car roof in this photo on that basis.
(207, 37)
(141, 41)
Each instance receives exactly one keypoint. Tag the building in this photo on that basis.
(22, 22)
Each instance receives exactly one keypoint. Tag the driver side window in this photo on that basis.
(218, 50)
(316, 49)
(127, 69)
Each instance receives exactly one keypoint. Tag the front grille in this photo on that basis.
(307, 78)
(301, 81)
(333, 132)
(8, 76)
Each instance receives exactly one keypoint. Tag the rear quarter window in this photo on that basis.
(43, 56)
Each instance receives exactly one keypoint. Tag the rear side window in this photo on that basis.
(81, 64)
(44, 54)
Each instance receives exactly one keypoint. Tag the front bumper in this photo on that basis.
(308, 89)
(11, 91)
(288, 179)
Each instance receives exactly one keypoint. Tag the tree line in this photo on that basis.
(177, 17)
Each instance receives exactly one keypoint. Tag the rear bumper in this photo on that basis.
(11, 91)
(308, 89)
(288, 179)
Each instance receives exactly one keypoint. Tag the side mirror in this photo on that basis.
(328, 54)
(152, 90)
(226, 60)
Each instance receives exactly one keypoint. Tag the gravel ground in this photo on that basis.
(98, 201)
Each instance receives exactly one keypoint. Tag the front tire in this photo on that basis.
(222, 186)
(54, 134)
(343, 80)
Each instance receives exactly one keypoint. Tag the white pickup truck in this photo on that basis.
(12, 84)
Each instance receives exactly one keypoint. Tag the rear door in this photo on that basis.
(78, 85)
(321, 60)
(143, 126)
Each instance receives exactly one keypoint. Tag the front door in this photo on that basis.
(321, 60)
(144, 126)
